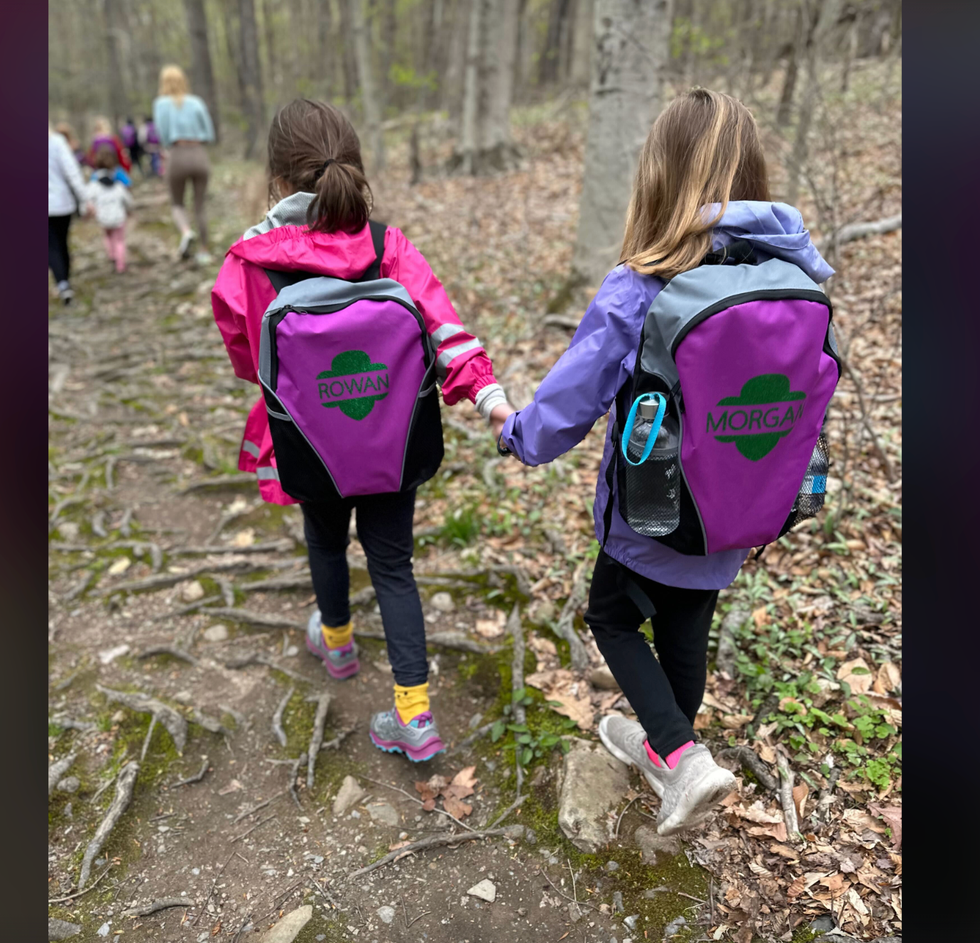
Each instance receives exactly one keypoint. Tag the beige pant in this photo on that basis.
(189, 162)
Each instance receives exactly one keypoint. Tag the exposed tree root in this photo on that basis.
(164, 903)
(786, 799)
(219, 481)
(168, 650)
(124, 793)
(144, 704)
(434, 841)
(248, 617)
(316, 739)
(449, 639)
(277, 730)
(58, 769)
(751, 761)
(257, 658)
(196, 778)
(565, 627)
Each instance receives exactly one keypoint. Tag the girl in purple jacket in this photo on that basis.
(701, 183)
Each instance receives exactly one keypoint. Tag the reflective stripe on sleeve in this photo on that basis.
(267, 474)
(451, 353)
(250, 447)
(444, 332)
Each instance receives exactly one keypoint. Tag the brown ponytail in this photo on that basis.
(314, 149)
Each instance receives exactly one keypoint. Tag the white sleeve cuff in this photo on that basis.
(488, 398)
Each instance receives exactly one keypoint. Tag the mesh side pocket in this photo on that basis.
(810, 500)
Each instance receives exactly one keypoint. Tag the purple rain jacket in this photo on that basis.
(582, 386)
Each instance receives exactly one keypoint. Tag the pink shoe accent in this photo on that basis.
(672, 759)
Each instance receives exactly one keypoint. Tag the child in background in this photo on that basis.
(108, 191)
(130, 140)
(150, 144)
(104, 135)
(701, 184)
(320, 225)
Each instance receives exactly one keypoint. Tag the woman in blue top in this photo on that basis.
(184, 126)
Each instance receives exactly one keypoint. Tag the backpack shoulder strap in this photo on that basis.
(378, 231)
(281, 279)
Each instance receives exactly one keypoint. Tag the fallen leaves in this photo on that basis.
(452, 792)
(856, 674)
(571, 697)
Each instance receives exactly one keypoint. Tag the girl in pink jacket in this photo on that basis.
(320, 225)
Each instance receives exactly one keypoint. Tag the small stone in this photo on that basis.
(485, 890)
(593, 784)
(612, 865)
(111, 654)
(287, 929)
(403, 836)
(384, 813)
(69, 784)
(67, 813)
(350, 794)
(545, 613)
(61, 929)
(104, 929)
(631, 921)
(674, 927)
(652, 892)
(292, 651)
(443, 602)
(475, 721)
(649, 843)
(118, 717)
(823, 924)
(68, 530)
(191, 591)
(618, 902)
(215, 633)
(121, 565)
(386, 914)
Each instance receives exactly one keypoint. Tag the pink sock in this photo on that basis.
(672, 759)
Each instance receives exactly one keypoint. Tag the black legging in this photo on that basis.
(384, 527)
(58, 259)
(665, 694)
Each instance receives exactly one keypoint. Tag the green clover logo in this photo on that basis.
(762, 414)
(353, 384)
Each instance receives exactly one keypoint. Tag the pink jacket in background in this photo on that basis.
(282, 241)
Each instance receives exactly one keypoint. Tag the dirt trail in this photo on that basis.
(145, 424)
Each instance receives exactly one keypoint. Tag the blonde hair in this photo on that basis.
(173, 82)
(102, 126)
(703, 149)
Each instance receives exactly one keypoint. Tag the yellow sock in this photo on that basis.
(338, 637)
(412, 701)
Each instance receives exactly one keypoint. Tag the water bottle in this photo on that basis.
(653, 493)
(811, 497)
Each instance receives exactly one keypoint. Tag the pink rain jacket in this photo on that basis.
(282, 241)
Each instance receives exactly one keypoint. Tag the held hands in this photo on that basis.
(497, 416)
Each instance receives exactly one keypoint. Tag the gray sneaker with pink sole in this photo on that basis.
(340, 662)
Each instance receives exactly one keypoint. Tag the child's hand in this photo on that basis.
(497, 416)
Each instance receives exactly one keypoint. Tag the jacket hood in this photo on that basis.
(282, 241)
(774, 229)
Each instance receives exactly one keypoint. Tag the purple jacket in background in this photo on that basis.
(582, 386)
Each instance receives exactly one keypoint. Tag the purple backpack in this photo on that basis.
(349, 380)
(737, 364)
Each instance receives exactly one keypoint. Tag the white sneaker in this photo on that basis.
(65, 293)
(688, 792)
(184, 249)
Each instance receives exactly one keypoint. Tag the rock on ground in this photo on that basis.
(216, 633)
(287, 929)
(602, 678)
(383, 813)
(349, 795)
(61, 929)
(649, 843)
(443, 602)
(386, 914)
(485, 890)
(593, 783)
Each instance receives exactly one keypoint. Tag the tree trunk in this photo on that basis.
(550, 64)
(826, 19)
(202, 75)
(369, 101)
(582, 32)
(850, 51)
(346, 50)
(324, 59)
(471, 95)
(389, 30)
(251, 79)
(496, 151)
(785, 108)
(452, 82)
(632, 52)
(118, 87)
(273, 76)
(525, 48)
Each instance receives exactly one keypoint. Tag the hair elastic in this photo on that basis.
(323, 167)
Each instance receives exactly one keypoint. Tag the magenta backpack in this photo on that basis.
(718, 439)
(349, 380)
